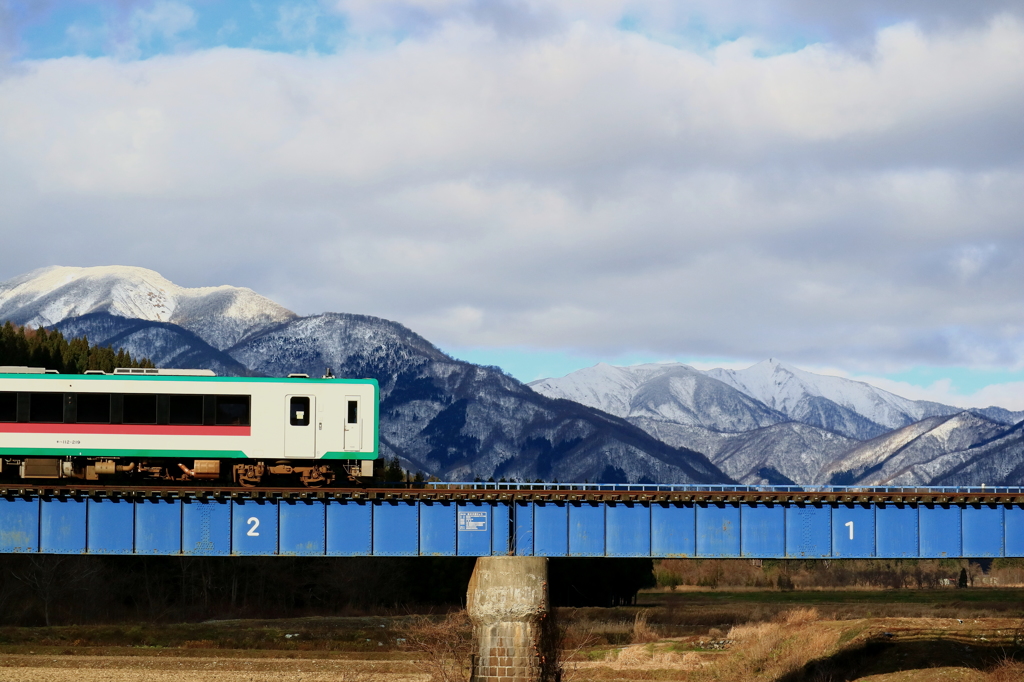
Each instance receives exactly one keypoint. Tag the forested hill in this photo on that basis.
(24, 346)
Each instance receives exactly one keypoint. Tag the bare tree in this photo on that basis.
(573, 641)
(50, 577)
(445, 645)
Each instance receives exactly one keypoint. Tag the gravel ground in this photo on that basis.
(27, 668)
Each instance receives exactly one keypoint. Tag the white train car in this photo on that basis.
(185, 425)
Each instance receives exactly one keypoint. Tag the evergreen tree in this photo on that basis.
(393, 470)
(21, 346)
(390, 470)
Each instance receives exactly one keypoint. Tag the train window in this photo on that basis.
(232, 410)
(186, 409)
(139, 408)
(299, 411)
(353, 412)
(93, 408)
(8, 406)
(46, 407)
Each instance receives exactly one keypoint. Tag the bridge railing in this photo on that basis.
(688, 487)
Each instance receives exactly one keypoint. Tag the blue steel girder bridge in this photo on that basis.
(499, 519)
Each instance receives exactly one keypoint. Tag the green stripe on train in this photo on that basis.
(350, 455)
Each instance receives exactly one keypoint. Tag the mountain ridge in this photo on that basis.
(668, 422)
(851, 408)
(499, 427)
(844, 433)
(222, 316)
(440, 415)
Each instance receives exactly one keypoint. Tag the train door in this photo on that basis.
(353, 423)
(300, 427)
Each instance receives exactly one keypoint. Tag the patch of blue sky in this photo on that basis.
(298, 26)
(697, 33)
(691, 34)
(630, 22)
(97, 29)
(232, 24)
(527, 365)
(963, 380)
(71, 29)
(787, 46)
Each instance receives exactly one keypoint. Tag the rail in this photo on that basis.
(700, 487)
(543, 492)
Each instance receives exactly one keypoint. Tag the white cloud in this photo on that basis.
(1009, 395)
(164, 19)
(698, 21)
(297, 22)
(146, 23)
(582, 187)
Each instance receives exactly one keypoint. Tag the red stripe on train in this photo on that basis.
(126, 429)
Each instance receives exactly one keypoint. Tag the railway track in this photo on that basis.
(518, 493)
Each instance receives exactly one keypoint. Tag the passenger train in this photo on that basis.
(186, 425)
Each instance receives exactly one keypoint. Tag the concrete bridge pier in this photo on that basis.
(508, 604)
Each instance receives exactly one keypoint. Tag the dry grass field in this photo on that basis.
(696, 636)
(801, 646)
(210, 668)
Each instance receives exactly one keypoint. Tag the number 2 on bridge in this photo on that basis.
(848, 523)
(255, 523)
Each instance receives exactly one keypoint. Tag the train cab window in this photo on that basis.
(139, 408)
(186, 410)
(8, 406)
(93, 408)
(299, 411)
(232, 410)
(353, 412)
(46, 408)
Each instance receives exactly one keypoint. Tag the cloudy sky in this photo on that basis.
(542, 185)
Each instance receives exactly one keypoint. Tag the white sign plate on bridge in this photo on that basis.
(472, 520)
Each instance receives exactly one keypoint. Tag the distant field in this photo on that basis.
(1008, 595)
(971, 635)
(682, 613)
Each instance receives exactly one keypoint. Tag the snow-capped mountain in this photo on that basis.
(997, 462)
(461, 421)
(909, 456)
(439, 415)
(780, 454)
(732, 400)
(852, 408)
(686, 408)
(770, 423)
(166, 344)
(767, 393)
(222, 316)
(776, 423)
(671, 392)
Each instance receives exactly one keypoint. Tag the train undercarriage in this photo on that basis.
(247, 473)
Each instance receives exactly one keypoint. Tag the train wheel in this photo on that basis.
(249, 475)
(316, 476)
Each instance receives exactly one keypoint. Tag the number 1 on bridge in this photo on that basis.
(850, 524)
